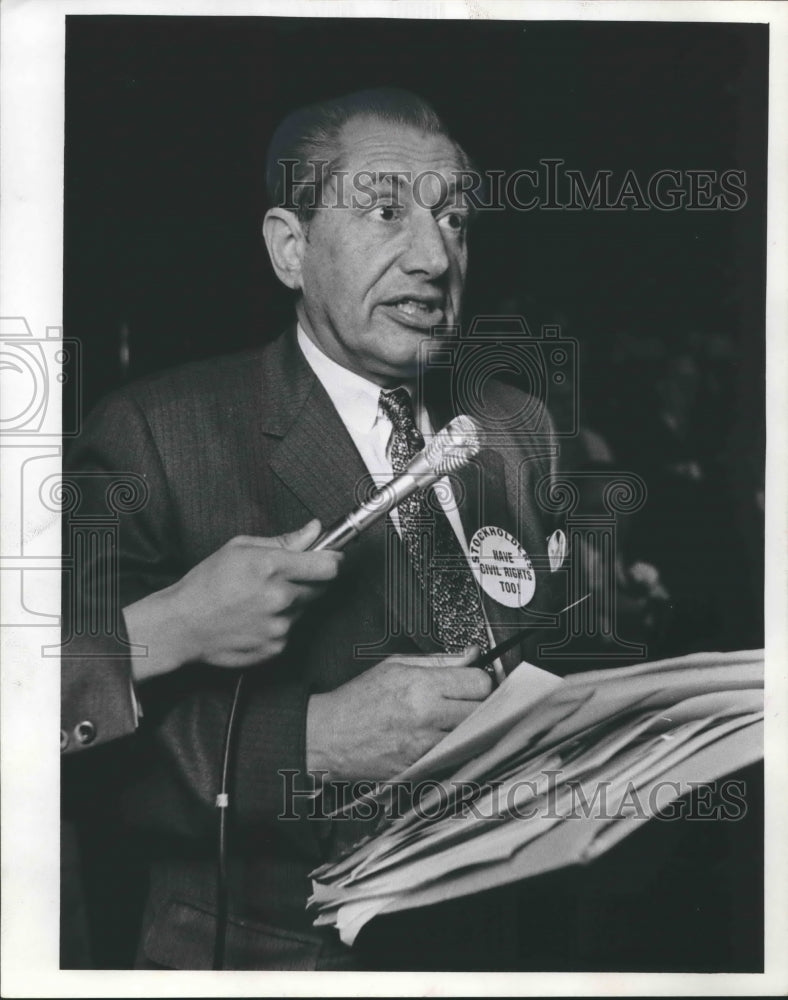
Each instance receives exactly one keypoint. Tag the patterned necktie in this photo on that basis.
(436, 554)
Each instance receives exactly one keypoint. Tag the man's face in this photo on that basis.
(377, 276)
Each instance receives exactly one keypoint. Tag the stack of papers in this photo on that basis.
(546, 773)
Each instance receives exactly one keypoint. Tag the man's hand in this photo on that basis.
(235, 608)
(380, 722)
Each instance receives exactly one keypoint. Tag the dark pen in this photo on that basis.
(486, 661)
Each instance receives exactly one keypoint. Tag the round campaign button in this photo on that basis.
(556, 549)
(502, 567)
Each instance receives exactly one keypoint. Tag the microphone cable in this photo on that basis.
(223, 805)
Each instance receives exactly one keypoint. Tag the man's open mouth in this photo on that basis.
(420, 313)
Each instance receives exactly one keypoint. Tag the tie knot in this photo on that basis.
(397, 405)
(407, 438)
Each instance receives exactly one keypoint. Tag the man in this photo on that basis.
(244, 459)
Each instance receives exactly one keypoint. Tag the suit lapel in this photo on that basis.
(318, 462)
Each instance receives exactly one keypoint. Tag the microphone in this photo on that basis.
(450, 450)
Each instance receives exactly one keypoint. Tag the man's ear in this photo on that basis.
(284, 237)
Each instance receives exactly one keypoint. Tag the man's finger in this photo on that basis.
(452, 713)
(293, 541)
(464, 659)
(465, 683)
(301, 594)
(308, 567)
(470, 654)
(302, 538)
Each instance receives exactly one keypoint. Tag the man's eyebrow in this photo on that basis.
(383, 184)
(391, 178)
(451, 189)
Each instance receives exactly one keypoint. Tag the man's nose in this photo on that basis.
(426, 251)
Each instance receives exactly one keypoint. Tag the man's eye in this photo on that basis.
(387, 213)
(457, 222)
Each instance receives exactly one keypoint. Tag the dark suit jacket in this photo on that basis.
(251, 444)
(96, 702)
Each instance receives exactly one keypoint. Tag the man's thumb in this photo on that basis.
(302, 538)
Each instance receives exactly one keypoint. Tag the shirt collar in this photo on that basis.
(355, 398)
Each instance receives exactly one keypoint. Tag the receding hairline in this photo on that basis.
(340, 158)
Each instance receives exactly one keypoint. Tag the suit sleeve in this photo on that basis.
(171, 768)
(98, 703)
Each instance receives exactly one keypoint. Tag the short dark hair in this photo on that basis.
(308, 141)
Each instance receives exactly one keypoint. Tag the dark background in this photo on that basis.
(167, 122)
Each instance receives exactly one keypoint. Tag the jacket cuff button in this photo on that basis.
(63, 739)
(85, 733)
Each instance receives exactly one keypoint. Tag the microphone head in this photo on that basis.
(454, 446)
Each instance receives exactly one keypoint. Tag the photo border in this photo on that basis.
(31, 249)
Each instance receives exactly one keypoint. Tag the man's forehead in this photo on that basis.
(370, 143)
